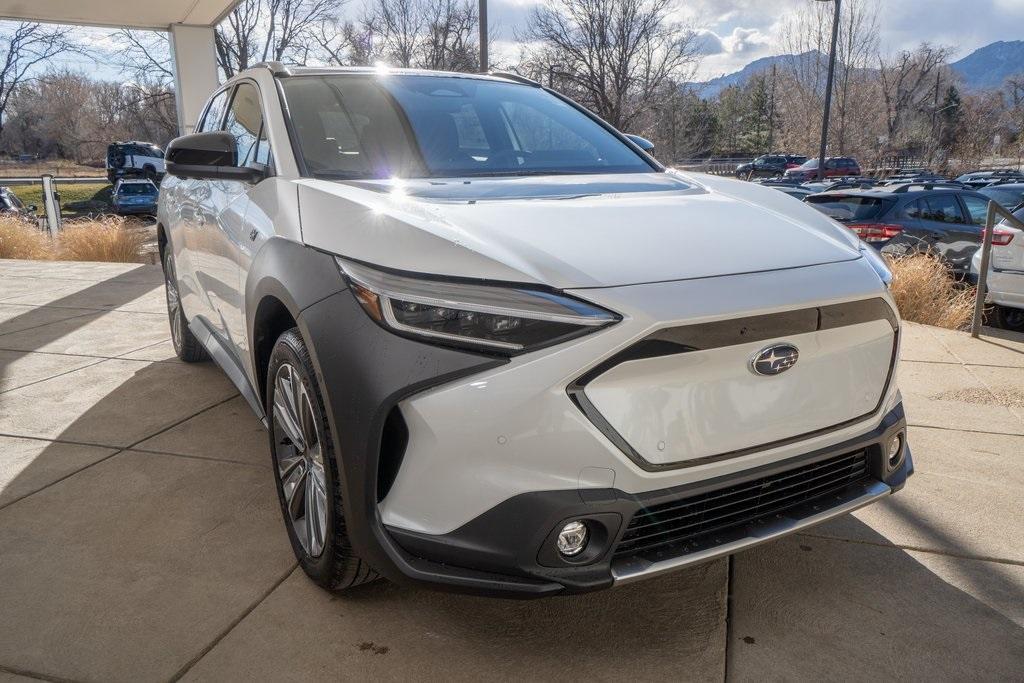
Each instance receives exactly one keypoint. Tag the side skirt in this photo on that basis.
(226, 360)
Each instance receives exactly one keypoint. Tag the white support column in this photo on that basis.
(195, 71)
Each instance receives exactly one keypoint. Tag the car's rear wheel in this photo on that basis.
(186, 346)
(306, 470)
(1010, 318)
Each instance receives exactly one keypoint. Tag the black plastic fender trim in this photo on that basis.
(364, 372)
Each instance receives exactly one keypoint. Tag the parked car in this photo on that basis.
(134, 159)
(844, 183)
(978, 179)
(1006, 274)
(769, 166)
(11, 203)
(497, 360)
(912, 218)
(1007, 195)
(834, 167)
(797, 191)
(134, 196)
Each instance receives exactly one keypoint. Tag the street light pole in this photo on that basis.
(828, 90)
(484, 67)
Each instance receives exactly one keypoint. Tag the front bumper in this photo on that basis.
(379, 388)
(517, 537)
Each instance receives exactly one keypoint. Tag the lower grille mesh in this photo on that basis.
(685, 520)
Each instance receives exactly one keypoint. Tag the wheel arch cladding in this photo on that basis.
(282, 279)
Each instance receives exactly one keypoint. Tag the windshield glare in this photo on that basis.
(408, 126)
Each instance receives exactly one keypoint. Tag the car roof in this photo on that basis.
(135, 181)
(884, 192)
(282, 71)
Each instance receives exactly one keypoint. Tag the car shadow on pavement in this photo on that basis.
(820, 607)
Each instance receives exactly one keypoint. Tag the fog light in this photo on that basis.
(895, 451)
(572, 539)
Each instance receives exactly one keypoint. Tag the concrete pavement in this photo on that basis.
(140, 537)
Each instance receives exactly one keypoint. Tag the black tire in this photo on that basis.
(1010, 318)
(335, 566)
(186, 346)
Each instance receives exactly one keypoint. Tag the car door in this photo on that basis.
(957, 236)
(185, 198)
(222, 224)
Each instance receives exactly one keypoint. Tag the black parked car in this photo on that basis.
(912, 218)
(769, 166)
(1008, 195)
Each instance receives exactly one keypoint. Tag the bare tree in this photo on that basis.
(396, 30)
(278, 30)
(23, 47)
(616, 56)
(906, 85)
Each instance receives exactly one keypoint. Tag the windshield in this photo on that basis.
(810, 163)
(849, 207)
(137, 189)
(362, 126)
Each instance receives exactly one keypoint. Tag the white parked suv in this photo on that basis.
(500, 349)
(1005, 274)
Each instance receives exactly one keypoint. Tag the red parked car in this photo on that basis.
(834, 167)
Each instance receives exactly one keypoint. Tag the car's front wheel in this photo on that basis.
(306, 470)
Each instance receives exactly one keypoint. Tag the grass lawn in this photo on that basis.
(77, 200)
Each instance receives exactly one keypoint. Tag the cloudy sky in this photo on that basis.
(736, 32)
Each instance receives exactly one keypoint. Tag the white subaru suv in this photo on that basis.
(500, 349)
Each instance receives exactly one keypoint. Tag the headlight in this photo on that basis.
(509, 319)
(877, 262)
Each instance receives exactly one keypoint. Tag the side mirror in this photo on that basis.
(208, 156)
(643, 143)
(31, 208)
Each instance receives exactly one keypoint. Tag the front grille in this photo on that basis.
(688, 521)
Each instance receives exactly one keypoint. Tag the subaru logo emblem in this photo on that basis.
(774, 359)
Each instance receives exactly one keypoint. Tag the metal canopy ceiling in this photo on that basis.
(151, 14)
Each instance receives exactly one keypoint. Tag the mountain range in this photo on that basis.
(986, 67)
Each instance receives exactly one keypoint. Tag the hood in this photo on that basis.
(571, 231)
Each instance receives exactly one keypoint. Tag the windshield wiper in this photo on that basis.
(521, 172)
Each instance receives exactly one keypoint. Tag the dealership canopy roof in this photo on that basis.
(152, 14)
(190, 23)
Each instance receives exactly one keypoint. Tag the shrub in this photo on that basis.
(22, 240)
(926, 293)
(106, 239)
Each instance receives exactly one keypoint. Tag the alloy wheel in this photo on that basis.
(300, 462)
(173, 304)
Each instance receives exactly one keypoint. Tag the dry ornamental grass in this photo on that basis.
(925, 293)
(104, 239)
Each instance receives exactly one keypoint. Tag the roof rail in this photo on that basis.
(515, 77)
(906, 187)
(276, 68)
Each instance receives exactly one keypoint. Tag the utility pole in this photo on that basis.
(771, 111)
(484, 66)
(828, 90)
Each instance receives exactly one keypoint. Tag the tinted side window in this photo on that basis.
(916, 209)
(245, 122)
(977, 208)
(943, 208)
(214, 113)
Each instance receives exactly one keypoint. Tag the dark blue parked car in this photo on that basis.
(946, 221)
(133, 195)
